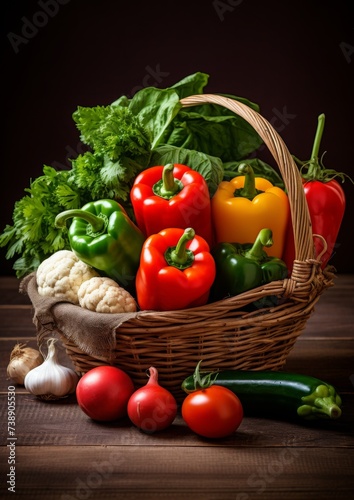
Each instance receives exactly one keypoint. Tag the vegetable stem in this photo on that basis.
(323, 401)
(264, 239)
(168, 186)
(318, 137)
(249, 190)
(98, 224)
(199, 382)
(314, 168)
(179, 256)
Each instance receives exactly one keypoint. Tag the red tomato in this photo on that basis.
(103, 393)
(214, 412)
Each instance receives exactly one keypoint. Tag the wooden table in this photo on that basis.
(59, 453)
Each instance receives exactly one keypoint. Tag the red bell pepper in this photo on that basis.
(172, 196)
(176, 271)
(326, 202)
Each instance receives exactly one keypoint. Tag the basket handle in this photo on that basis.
(300, 217)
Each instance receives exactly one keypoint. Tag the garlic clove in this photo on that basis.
(51, 380)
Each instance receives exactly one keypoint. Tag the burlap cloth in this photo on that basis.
(93, 333)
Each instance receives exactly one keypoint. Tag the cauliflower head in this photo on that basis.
(61, 275)
(104, 295)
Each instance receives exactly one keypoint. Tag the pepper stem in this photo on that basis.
(318, 137)
(179, 256)
(98, 224)
(249, 190)
(314, 168)
(168, 186)
(264, 239)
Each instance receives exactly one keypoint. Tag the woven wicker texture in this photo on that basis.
(222, 333)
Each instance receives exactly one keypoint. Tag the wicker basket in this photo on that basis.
(222, 334)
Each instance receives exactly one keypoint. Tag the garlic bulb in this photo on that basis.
(51, 380)
(22, 360)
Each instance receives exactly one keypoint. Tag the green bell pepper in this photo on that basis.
(241, 267)
(103, 236)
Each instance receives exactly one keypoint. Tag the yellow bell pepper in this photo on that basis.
(245, 205)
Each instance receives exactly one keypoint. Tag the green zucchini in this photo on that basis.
(269, 393)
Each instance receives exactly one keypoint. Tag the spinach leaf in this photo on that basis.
(209, 128)
(191, 85)
(210, 167)
(215, 130)
(155, 109)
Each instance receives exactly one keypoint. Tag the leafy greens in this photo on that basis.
(122, 139)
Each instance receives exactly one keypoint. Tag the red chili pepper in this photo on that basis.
(172, 196)
(176, 271)
(326, 202)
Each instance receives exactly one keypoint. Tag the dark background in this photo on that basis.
(296, 56)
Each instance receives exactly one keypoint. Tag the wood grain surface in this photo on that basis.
(61, 454)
